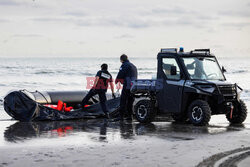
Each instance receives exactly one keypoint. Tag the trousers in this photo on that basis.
(126, 103)
(102, 98)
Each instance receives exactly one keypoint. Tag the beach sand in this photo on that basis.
(94, 143)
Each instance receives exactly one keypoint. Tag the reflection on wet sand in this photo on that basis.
(22, 131)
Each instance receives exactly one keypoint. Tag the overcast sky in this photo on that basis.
(87, 28)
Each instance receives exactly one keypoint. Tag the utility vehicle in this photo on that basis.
(190, 86)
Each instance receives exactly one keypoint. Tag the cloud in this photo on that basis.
(26, 35)
(237, 25)
(76, 14)
(52, 19)
(181, 21)
(9, 3)
(206, 17)
(131, 22)
(179, 16)
(241, 13)
(181, 12)
(120, 21)
(175, 10)
(136, 18)
(5, 41)
(81, 42)
(4, 20)
(125, 36)
(134, 22)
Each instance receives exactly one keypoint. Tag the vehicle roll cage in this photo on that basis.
(172, 52)
(193, 53)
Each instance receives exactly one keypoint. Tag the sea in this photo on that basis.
(48, 74)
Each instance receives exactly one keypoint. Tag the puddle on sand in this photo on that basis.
(92, 131)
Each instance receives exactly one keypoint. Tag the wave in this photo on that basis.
(143, 69)
(147, 72)
(247, 91)
(44, 72)
(64, 72)
(87, 73)
(9, 67)
(245, 95)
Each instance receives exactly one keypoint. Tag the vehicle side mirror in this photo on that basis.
(223, 69)
(173, 70)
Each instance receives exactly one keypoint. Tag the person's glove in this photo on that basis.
(113, 95)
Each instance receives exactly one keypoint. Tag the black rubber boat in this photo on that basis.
(27, 106)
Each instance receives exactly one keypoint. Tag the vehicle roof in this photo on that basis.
(186, 54)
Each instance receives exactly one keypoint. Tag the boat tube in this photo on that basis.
(27, 106)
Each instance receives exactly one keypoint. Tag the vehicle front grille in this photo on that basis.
(227, 90)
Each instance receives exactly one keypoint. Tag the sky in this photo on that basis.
(109, 28)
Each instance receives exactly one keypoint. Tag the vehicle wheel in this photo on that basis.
(180, 118)
(144, 111)
(199, 113)
(239, 113)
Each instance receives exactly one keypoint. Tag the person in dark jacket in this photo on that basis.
(127, 74)
(102, 79)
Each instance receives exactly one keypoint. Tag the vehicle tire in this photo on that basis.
(199, 113)
(144, 111)
(239, 113)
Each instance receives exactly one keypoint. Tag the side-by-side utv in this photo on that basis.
(190, 86)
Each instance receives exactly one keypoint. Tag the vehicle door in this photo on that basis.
(170, 96)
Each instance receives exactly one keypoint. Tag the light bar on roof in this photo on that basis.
(167, 50)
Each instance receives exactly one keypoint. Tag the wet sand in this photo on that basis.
(96, 143)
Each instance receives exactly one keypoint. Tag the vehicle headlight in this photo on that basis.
(207, 88)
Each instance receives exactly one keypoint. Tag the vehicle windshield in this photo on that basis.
(203, 68)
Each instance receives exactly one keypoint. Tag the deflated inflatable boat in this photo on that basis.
(26, 106)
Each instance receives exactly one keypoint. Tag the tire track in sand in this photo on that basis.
(225, 159)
